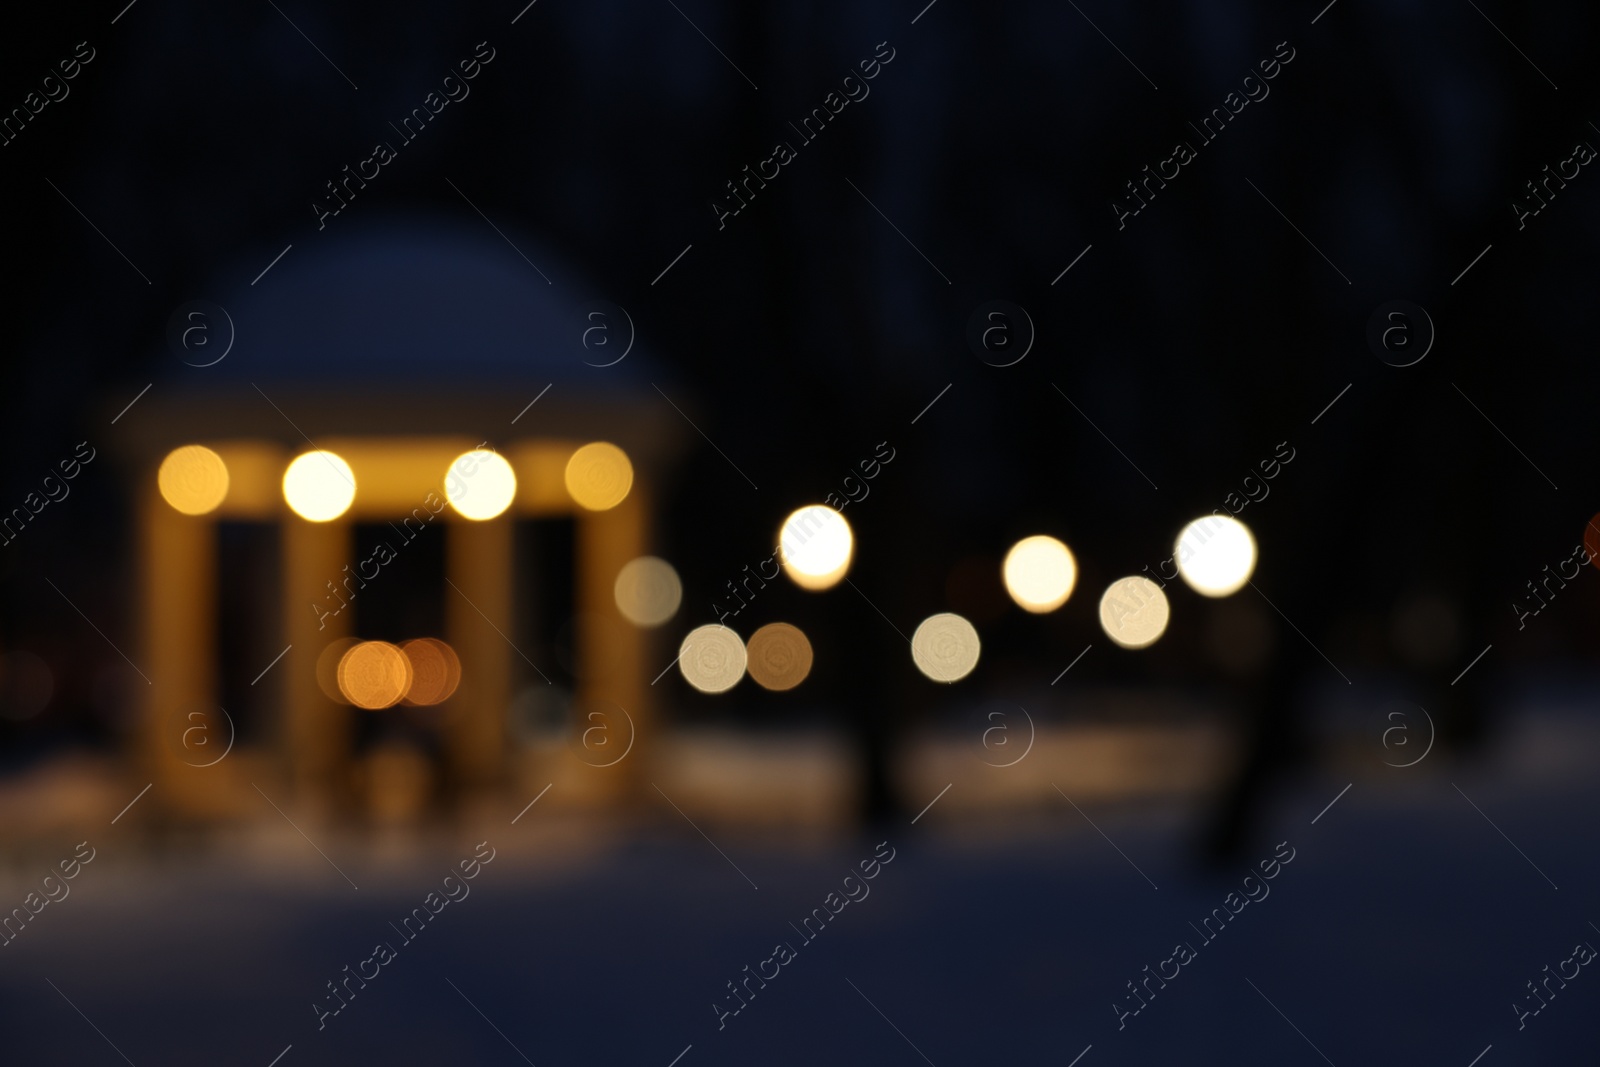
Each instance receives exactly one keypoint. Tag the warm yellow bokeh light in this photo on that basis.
(599, 476)
(945, 647)
(712, 658)
(319, 486)
(1216, 555)
(374, 674)
(480, 484)
(1039, 573)
(648, 591)
(193, 479)
(1134, 612)
(779, 656)
(816, 545)
(435, 670)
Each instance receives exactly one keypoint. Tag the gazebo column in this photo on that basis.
(317, 729)
(178, 555)
(611, 650)
(478, 621)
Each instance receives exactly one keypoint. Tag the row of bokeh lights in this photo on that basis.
(1215, 555)
(319, 485)
(1039, 572)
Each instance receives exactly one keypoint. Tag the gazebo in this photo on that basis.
(381, 384)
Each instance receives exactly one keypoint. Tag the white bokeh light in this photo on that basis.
(480, 484)
(648, 591)
(945, 647)
(319, 486)
(1216, 555)
(1134, 612)
(816, 547)
(1039, 573)
(712, 658)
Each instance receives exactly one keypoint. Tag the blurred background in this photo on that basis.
(435, 425)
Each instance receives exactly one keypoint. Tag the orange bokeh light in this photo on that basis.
(435, 670)
(374, 674)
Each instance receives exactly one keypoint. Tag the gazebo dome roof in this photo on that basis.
(443, 302)
(404, 326)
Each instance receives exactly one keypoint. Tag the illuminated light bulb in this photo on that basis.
(480, 484)
(779, 656)
(945, 647)
(1039, 573)
(712, 658)
(1134, 612)
(1216, 555)
(193, 479)
(599, 475)
(816, 546)
(319, 486)
(374, 674)
(648, 591)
